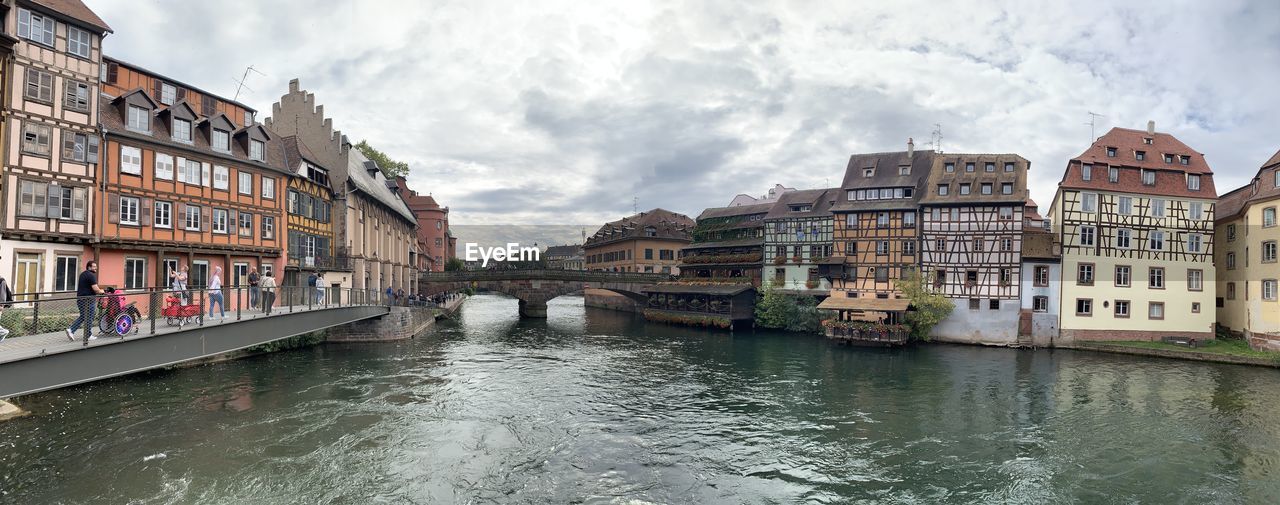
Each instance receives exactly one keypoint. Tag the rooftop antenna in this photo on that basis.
(935, 138)
(1093, 117)
(635, 205)
(240, 83)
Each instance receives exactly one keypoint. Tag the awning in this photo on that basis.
(865, 304)
(699, 289)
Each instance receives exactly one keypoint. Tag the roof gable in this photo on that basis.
(138, 98)
(220, 121)
(181, 110)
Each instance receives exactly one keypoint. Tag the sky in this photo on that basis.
(555, 112)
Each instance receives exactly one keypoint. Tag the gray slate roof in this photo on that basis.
(820, 200)
(374, 185)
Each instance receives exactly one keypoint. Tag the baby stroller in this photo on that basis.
(117, 317)
(176, 312)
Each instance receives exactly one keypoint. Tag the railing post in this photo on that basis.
(310, 295)
(290, 290)
(35, 316)
(239, 293)
(200, 318)
(152, 304)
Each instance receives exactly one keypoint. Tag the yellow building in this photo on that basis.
(1247, 235)
(646, 242)
(1135, 216)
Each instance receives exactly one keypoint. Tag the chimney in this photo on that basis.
(1151, 128)
(911, 147)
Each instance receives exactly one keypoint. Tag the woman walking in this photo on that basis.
(215, 293)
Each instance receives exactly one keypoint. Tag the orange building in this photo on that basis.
(188, 179)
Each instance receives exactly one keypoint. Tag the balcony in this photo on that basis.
(327, 263)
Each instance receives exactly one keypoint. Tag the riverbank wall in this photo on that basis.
(605, 299)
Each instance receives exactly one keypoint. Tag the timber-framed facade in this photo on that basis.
(727, 246)
(797, 238)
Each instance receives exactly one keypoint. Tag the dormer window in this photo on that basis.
(801, 208)
(904, 170)
(942, 189)
(1113, 174)
(168, 93)
(1086, 172)
(986, 188)
(181, 130)
(255, 150)
(951, 167)
(990, 167)
(1147, 140)
(1277, 177)
(1185, 160)
(968, 167)
(221, 140)
(964, 188)
(868, 172)
(1140, 155)
(1008, 167)
(248, 118)
(650, 231)
(1168, 158)
(139, 119)
(1149, 177)
(1111, 152)
(1193, 182)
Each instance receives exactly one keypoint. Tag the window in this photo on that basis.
(246, 225)
(163, 214)
(989, 167)
(942, 190)
(1157, 207)
(1006, 244)
(198, 277)
(1277, 178)
(168, 93)
(1193, 182)
(1155, 278)
(968, 167)
(1195, 280)
(66, 270)
(245, 185)
(1196, 210)
(868, 172)
(977, 244)
(79, 147)
(221, 140)
(129, 210)
(1006, 188)
(1086, 172)
(1124, 277)
(908, 248)
(76, 95)
(850, 248)
(221, 177)
(1084, 274)
(139, 119)
(1041, 276)
(1084, 306)
(951, 168)
(1269, 289)
(1140, 155)
(219, 220)
(1194, 241)
(851, 220)
(882, 274)
(268, 227)
(986, 188)
(248, 118)
(1006, 213)
(1231, 291)
(1269, 251)
(135, 270)
(882, 248)
(1006, 276)
(268, 187)
(993, 304)
(78, 42)
(1124, 238)
(189, 171)
(32, 199)
(1185, 160)
(964, 188)
(1268, 217)
(882, 220)
(1156, 243)
(1089, 202)
(181, 130)
(130, 160)
(255, 149)
(1125, 205)
(191, 218)
(35, 139)
(1088, 235)
(1008, 167)
(908, 219)
(940, 244)
(1155, 310)
(975, 304)
(66, 202)
(1113, 174)
(1040, 304)
(1231, 261)
(1122, 308)
(1111, 152)
(1149, 177)
(164, 167)
(1231, 233)
(35, 27)
(905, 170)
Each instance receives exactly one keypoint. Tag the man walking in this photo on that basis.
(268, 293)
(311, 286)
(254, 290)
(86, 288)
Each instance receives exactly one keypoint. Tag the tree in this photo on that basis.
(454, 265)
(776, 309)
(390, 168)
(930, 308)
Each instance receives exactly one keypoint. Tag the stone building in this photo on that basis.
(436, 243)
(1246, 233)
(646, 242)
(372, 223)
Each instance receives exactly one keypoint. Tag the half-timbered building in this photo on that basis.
(728, 245)
(876, 229)
(797, 237)
(308, 202)
(1247, 233)
(971, 243)
(51, 142)
(1041, 276)
(1135, 216)
(185, 182)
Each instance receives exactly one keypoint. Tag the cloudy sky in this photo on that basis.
(563, 112)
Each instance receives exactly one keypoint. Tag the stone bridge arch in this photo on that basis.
(534, 288)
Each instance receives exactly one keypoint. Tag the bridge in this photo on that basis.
(535, 287)
(35, 361)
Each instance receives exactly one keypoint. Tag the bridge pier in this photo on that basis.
(534, 309)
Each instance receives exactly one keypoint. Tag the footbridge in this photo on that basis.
(534, 288)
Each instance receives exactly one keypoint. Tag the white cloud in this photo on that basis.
(561, 112)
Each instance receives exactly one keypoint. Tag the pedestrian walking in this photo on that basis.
(215, 294)
(391, 295)
(254, 290)
(6, 301)
(178, 281)
(311, 285)
(86, 289)
(400, 296)
(319, 289)
(268, 293)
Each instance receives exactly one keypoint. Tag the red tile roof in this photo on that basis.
(1171, 178)
(76, 10)
(1234, 202)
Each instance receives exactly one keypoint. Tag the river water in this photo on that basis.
(592, 406)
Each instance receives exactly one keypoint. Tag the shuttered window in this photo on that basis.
(35, 139)
(76, 96)
(39, 85)
(35, 27)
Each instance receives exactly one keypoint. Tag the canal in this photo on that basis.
(592, 406)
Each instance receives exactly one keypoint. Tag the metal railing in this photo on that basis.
(542, 274)
(144, 311)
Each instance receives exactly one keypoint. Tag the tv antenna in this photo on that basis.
(935, 138)
(1093, 118)
(240, 83)
(635, 205)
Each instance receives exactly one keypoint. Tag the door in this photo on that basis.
(26, 278)
(170, 265)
